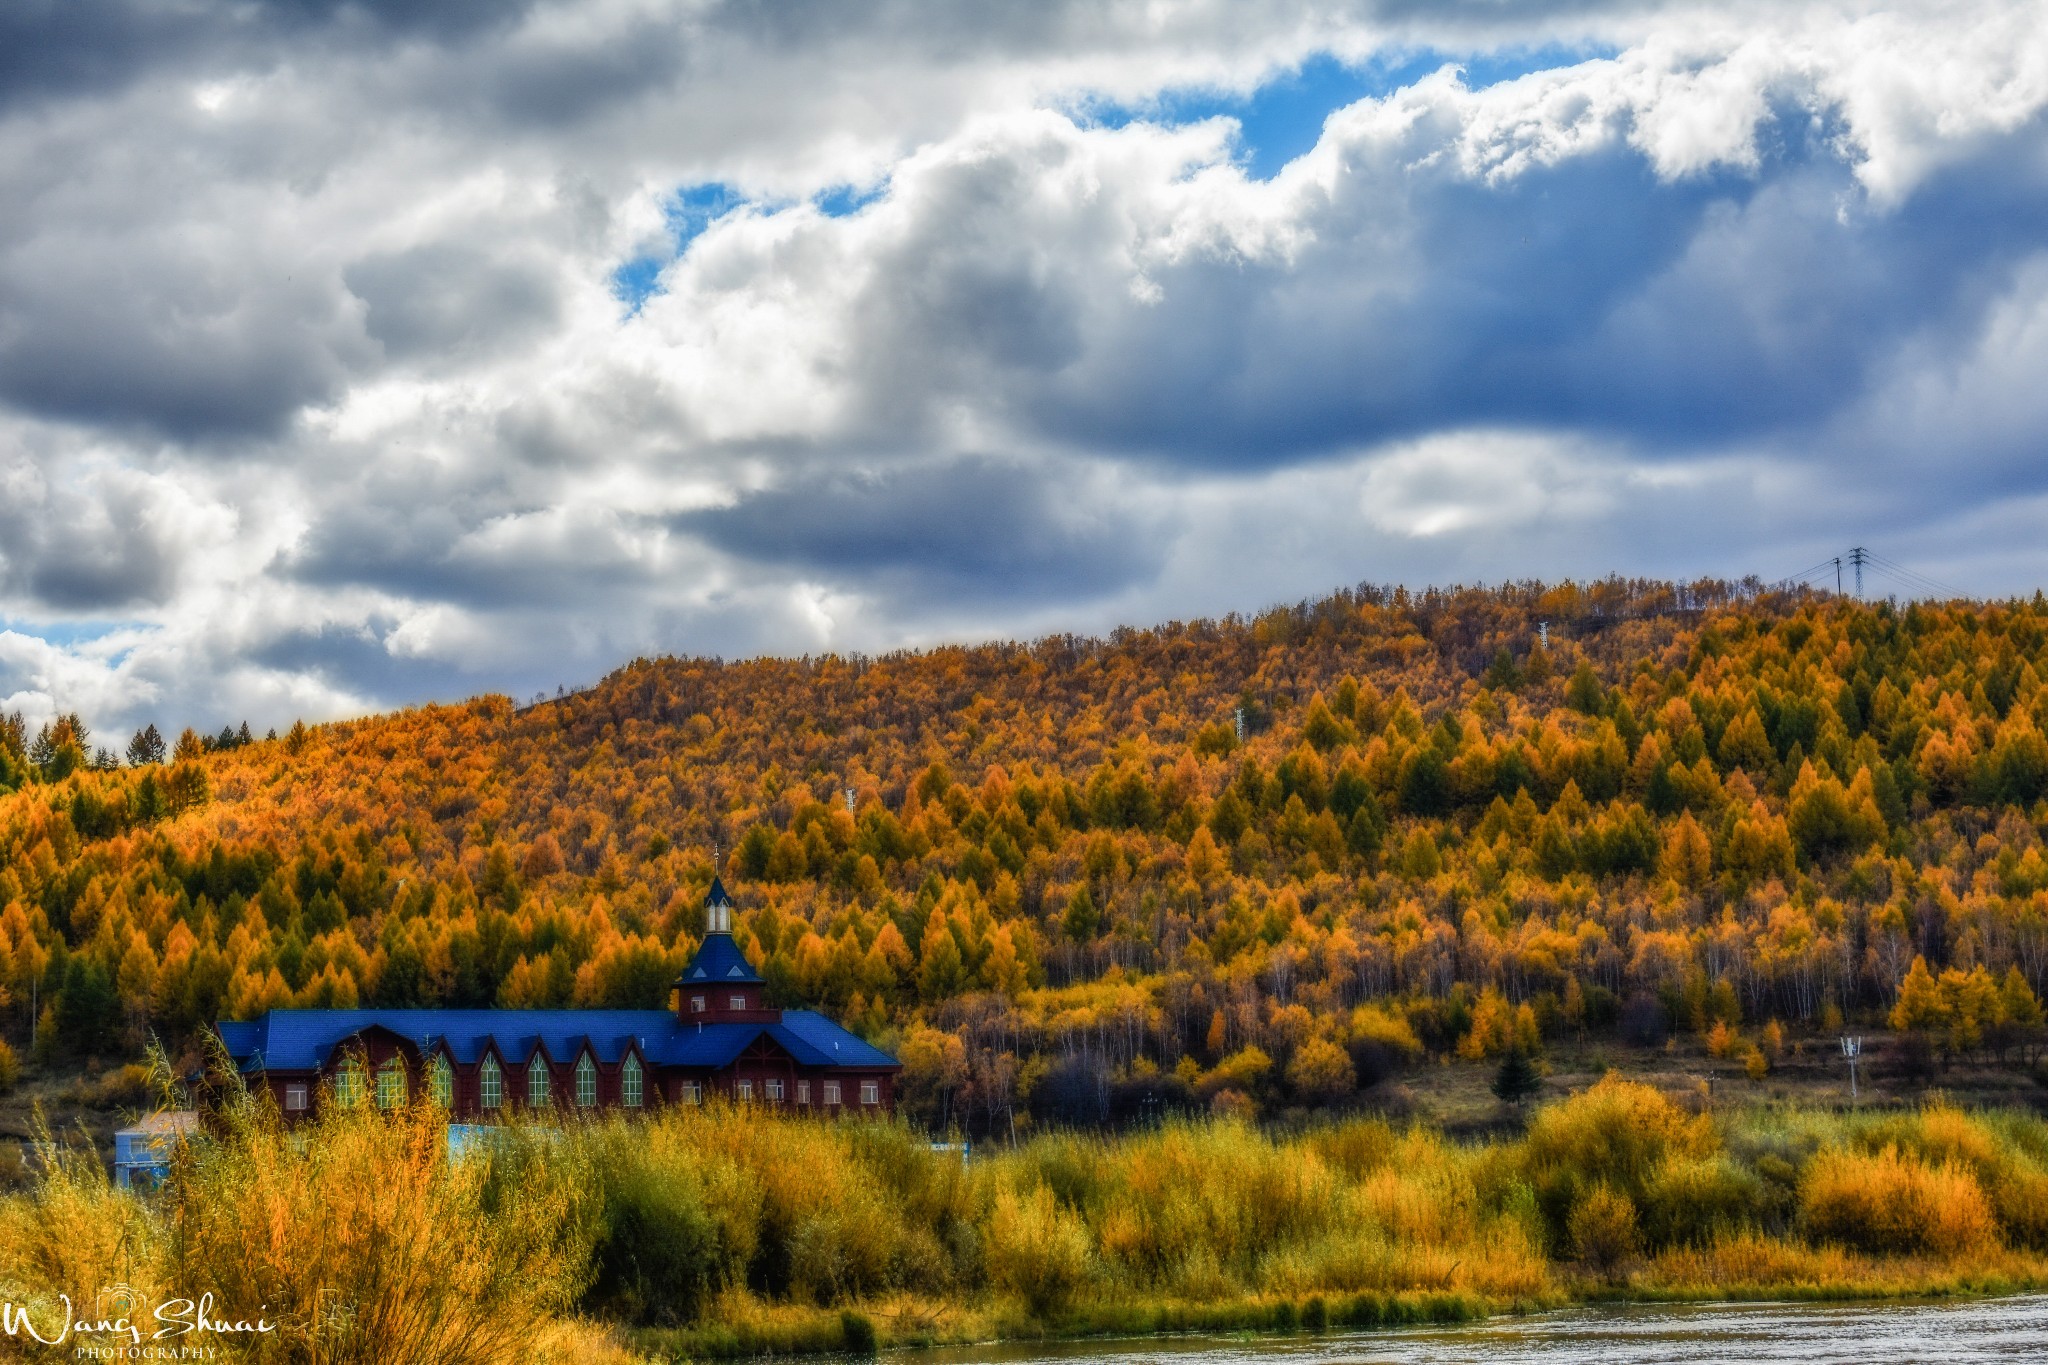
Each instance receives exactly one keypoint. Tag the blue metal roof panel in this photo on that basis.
(831, 1044)
(708, 1045)
(719, 961)
(300, 1040)
(303, 1040)
(241, 1039)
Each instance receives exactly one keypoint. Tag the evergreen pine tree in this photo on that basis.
(147, 746)
(1517, 1079)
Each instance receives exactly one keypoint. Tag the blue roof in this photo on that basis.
(304, 1040)
(240, 1037)
(719, 961)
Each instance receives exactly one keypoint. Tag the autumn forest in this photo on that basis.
(1242, 866)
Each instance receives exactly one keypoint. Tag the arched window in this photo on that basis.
(441, 1081)
(490, 1084)
(630, 1092)
(391, 1084)
(586, 1082)
(537, 1082)
(350, 1082)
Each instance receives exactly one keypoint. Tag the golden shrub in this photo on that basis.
(1890, 1203)
(1037, 1250)
(1603, 1229)
(1617, 1132)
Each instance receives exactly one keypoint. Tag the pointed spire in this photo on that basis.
(718, 960)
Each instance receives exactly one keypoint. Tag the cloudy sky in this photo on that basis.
(358, 352)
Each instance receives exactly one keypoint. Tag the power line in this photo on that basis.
(1806, 577)
(1859, 558)
(1915, 578)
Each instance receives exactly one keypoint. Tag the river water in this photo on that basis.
(1949, 1333)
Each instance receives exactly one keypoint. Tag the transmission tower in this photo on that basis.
(1859, 556)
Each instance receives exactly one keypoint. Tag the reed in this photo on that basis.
(726, 1232)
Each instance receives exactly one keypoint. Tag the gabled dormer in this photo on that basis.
(720, 986)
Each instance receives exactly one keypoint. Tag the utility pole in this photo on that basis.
(1852, 1048)
(1859, 557)
(1838, 575)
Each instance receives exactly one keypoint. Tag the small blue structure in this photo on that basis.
(142, 1154)
(462, 1137)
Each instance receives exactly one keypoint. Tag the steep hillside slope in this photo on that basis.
(1058, 871)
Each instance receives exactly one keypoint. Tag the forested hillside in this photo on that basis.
(1243, 864)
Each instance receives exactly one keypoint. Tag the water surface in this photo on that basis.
(1947, 1333)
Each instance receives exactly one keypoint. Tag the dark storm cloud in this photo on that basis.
(1784, 307)
(1587, 295)
(984, 528)
(448, 299)
(79, 47)
(966, 301)
(90, 551)
(561, 81)
(429, 539)
(395, 543)
(188, 356)
(124, 315)
(358, 660)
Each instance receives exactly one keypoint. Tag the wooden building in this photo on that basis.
(721, 1038)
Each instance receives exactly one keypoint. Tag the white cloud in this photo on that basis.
(313, 381)
(1473, 481)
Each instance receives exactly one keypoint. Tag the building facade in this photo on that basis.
(721, 1040)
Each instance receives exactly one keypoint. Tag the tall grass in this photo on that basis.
(715, 1231)
(360, 1240)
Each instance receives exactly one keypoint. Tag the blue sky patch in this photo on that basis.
(1284, 117)
(686, 214)
(843, 201)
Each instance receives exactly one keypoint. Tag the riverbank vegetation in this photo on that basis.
(712, 1231)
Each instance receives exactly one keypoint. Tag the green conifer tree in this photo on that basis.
(1518, 1079)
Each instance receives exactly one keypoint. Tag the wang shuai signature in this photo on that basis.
(120, 1318)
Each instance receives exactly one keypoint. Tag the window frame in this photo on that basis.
(803, 1092)
(490, 1084)
(390, 1084)
(441, 1080)
(870, 1094)
(744, 1089)
(832, 1093)
(295, 1097)
(632, 1082)
(586, 1071)
(351, 1082)
(540, 1083)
